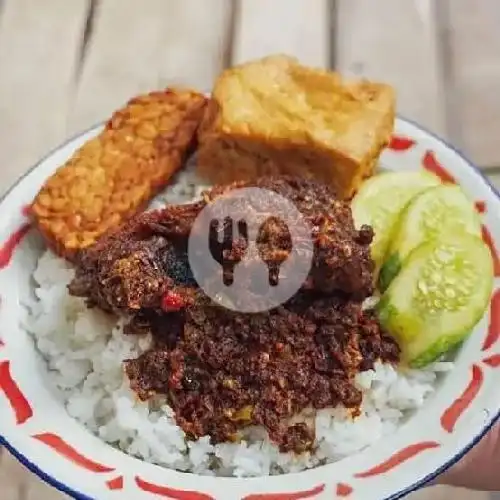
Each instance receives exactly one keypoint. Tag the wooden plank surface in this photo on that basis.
(140, 46)
(474, 46)
(39, 52)
(447, 493)
(135, 46)
(17, 483)
(121, 59)
(195, 48)
(394, 41)
(12, 478)
(294, 27)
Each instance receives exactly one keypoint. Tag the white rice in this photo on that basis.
(84, 350)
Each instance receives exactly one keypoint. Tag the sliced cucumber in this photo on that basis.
(435, 211)
(438, 297)
(380, 200)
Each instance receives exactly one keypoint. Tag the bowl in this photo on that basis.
(35, 427)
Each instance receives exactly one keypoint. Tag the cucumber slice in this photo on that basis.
(380, 200)
(435, 211)
(438, 297)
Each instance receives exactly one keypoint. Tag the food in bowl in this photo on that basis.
(153, 366)
(276, 116)
(247, 369)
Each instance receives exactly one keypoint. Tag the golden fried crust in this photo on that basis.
(275, 116)
(114, 175)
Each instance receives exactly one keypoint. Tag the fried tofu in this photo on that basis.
(275, 116)
(113, 176)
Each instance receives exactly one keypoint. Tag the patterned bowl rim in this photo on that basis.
(416, 485)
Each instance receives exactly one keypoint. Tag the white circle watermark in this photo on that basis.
(250, 250)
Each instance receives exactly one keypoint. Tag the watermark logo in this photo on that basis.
(250, 250)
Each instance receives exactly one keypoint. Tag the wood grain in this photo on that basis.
(474, 39)
(39, 52)
(18, 483)
(142, 46)
(121, 60)
(447, 493)
(12, 478)
(294, 27)
(195, 48)
(136, 46)
(396, 42)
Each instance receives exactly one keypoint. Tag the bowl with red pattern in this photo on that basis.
(44, 429)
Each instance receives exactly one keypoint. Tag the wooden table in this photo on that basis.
(66, 64)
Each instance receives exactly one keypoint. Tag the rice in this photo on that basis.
(84, 350)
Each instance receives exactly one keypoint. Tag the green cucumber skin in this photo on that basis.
(440, 347)
(385, 312)
(419, 182)
(389, 271)
(401, 234)
(420, 349)
(389, 317)
(397, 252)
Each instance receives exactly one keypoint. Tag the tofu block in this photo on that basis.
(274, 116)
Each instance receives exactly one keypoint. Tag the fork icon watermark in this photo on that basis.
(250, 250)
(226, 248)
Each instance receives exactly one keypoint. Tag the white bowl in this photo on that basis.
(35, 427)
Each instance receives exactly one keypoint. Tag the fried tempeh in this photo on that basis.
(113, 176)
